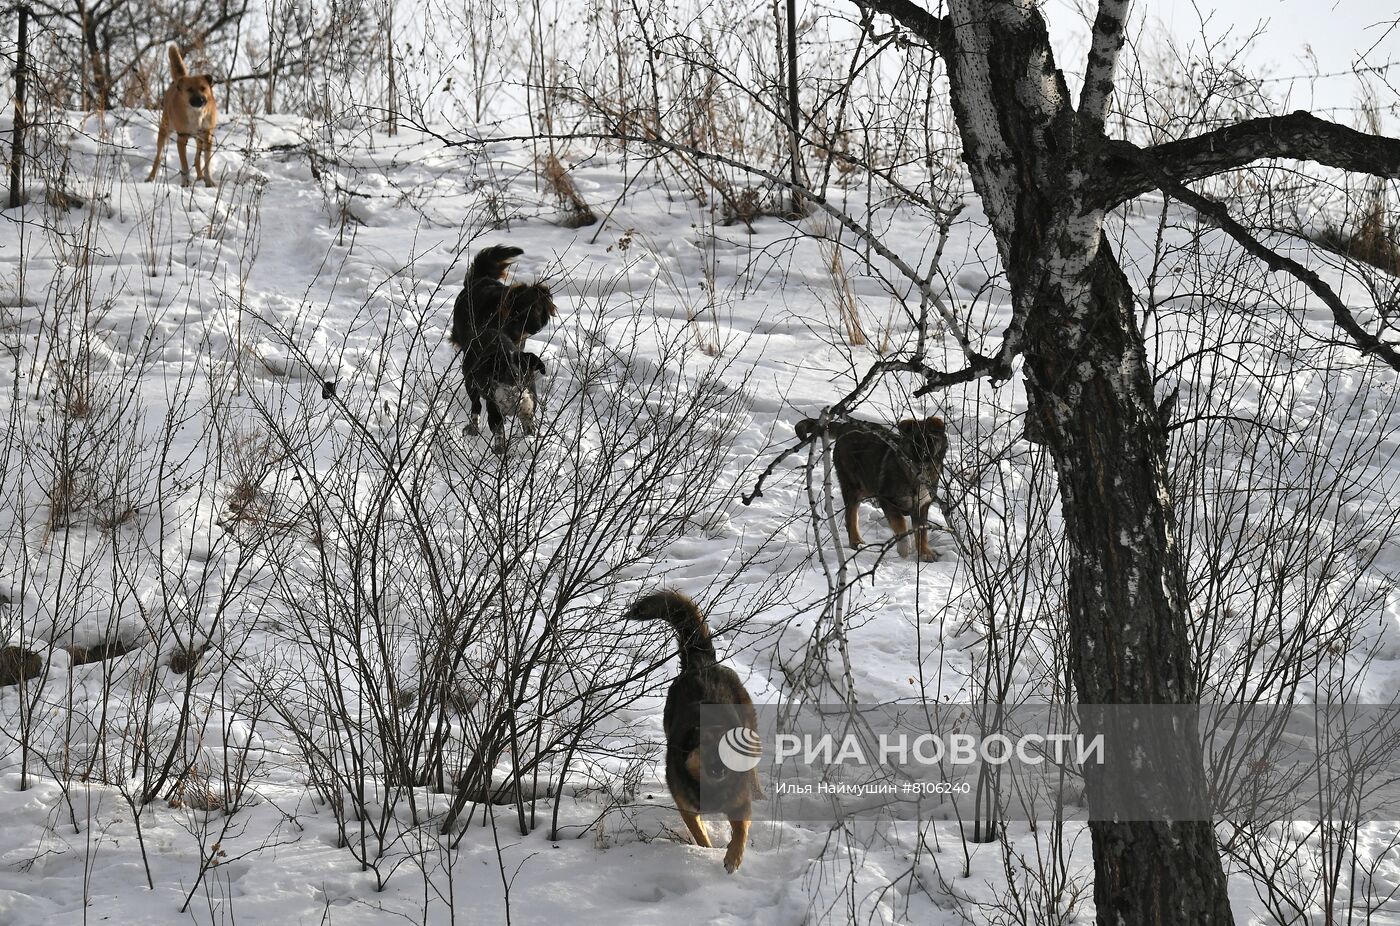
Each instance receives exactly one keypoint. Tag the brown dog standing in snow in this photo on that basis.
(187, 110)
(895, 467)
(706, 706)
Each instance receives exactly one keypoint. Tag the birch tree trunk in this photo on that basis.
(1091, 403)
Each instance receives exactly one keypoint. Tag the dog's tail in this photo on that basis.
(692, 633)
(177, 63)
(491, 263)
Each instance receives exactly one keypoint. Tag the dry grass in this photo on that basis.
(847, 308)
(186, 659)
(251, 457)
(64, 499)
(576, 213)
(197, 790)
(745, 206)
(114, 514)
(1370, 237)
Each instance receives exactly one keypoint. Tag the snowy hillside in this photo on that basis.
(234, 446)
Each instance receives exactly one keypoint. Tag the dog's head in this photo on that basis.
(528, 308)
(924, 439)
(197, 90)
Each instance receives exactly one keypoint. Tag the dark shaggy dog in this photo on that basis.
(488, 303)
(898, 467)
(497, 370)
(699, 780)
(490, 322)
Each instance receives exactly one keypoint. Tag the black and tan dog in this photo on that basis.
(188, 110)
(497, 371)
(897, 467)
(706, 702)
(488, 303)
(490, 321)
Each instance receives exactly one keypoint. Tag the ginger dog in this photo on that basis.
(188, 110)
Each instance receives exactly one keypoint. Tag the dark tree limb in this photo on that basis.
(910, 15)
(1124, 173)
(1365, 341)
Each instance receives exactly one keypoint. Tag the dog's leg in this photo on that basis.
(697, 830)
(162, 137)
(474, 422)
(853, 525)
(738, 840)
(921, 524)
(851, 497)
(901, 532)
(182, 143)
(496, 422)
(203, 151)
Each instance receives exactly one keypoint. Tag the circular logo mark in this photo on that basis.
(740, 749)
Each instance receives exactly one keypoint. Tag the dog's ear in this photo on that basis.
(909, 427)
(208, 80)
(533, 297)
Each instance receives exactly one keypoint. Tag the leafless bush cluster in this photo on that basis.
(1285, 504)
(448, 616)
(116, 598)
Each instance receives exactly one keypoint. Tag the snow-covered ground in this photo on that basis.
(167, 332)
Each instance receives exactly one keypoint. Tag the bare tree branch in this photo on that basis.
(1109, 27)
(912, 16)
(1364, 340)
(1299, 136)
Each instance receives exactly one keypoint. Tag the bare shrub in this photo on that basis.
(474, 658)
(250, 457)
